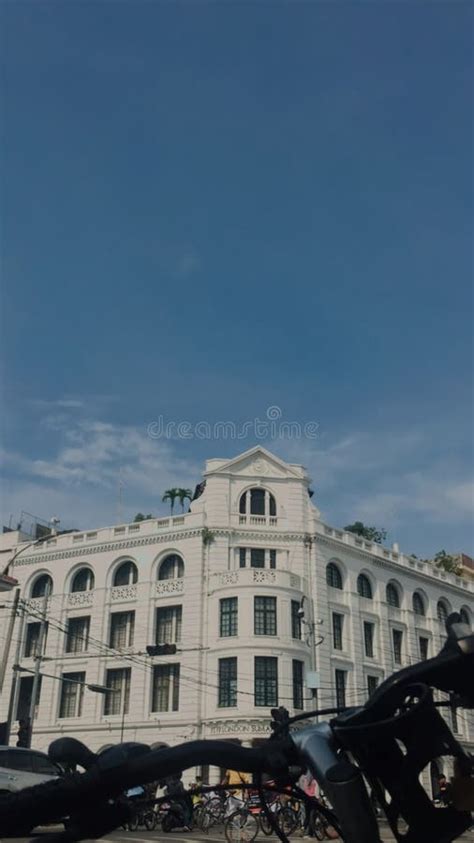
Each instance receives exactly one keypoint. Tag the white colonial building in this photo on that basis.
(226, 583)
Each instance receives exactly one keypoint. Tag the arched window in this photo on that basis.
(465, 617)
(442, 611)
(83, 580)
(418, 604)
(257, 502)
(333, 576)
(172, 568)
(393, 596)
(364, 588)
(43, 585)
(126, 574)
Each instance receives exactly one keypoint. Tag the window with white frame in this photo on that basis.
(257, 502)
(168, 624)
(265, 616)
(228, 617)
(33, 634)
(77, 636)
(171, 568)
(423, 644)
(296, 619)
(372, 684)
(337, 630)
(297, 683)
(340, 677)
(333, 576)
(117, 699)
(72, 692)
(165, 687)
(122, 629)
(227, 696)
(397, 640)
(257, 557)
(126, 574)
(83, 580)
(418, 604)
(266, 681)
(369, 639)
(364, 587)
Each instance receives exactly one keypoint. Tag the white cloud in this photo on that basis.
(83, 477)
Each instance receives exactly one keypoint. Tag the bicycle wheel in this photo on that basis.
(241, 827)
(133, 823)
(318, 826)
(198, 814)
(149, 820)
(214, 813)
(265, 824)
(287, 820)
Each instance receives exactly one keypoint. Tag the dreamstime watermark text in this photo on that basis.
(272, 426)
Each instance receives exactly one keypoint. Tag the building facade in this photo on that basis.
(262, 601)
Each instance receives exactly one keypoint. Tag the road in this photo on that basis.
(143, 836)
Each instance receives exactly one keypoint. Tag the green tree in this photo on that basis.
(183, 495)
(446, 562)
(140, 517)
(372, 534)
(170, 495)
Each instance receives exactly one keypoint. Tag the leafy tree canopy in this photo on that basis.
(372, 534)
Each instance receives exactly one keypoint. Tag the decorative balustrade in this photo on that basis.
(123, 592)
(259, 520)
(258, 576)
(169, 586)
(80, 598)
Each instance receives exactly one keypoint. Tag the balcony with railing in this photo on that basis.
(252, 577)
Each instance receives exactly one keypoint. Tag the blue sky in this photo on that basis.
(213, 208)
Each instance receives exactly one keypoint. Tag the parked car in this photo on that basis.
(21, 768)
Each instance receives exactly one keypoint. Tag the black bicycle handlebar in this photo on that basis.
(400, 714)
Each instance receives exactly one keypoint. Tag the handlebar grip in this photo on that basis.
(341, 781)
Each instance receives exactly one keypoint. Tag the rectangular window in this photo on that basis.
(397, 645)
(337, 625)
(227, 682)
(168, 624)
(32, 639)
(228, 617)
(117, 700)
(165, 692)
(266, 681)
(265, 619)
(122, 627)
(77, 638)
(372, 683)
(24, 697)
(295, 620)
(297, 684)
(72, 692)
(454, 715)
(369, 639)
(340, 676)
(242, 556)
(273, 556)
(423, 642)
(257, 557)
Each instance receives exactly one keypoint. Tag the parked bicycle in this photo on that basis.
(382, 746)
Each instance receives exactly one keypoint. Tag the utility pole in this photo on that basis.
(39, 654)
(15, 687)
(8, 639)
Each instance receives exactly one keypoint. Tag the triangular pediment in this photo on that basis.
(257, 462)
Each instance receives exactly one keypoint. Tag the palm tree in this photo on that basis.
(170, 495)
(184, 494)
